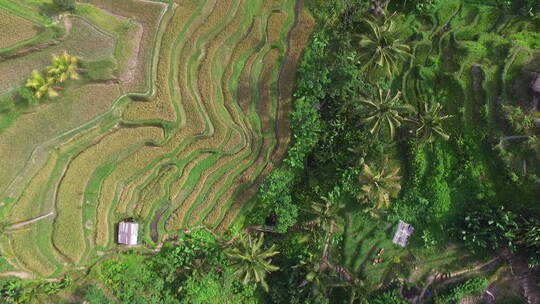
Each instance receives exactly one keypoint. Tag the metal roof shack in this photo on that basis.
(127, 233)
(403, 232)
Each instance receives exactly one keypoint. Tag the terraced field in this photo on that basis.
(14, 29)
(195, 114)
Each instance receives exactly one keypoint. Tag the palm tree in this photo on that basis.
(41, 85)
(379, 187)
(430, 122)
(250, 261)
(316, 275)
(384, 111)
(63, 67)
(381, 47)
(357, 288)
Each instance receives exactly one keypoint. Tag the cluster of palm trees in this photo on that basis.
(381, 49)
(385, 113)
(62, 68)
(251, 261)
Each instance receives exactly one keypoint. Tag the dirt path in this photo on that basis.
(439, 280)
(18, 274)
(527, 278)
(21, 224)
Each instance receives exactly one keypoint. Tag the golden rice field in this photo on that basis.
(194, 114)
(14, 29)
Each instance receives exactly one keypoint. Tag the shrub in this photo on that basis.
(466, 288)
(65, 5)
(389, 297)
(489, 229)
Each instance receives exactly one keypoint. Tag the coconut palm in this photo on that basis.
(63, 67)
(430, 122)
(381, 48)
(41, 85)
(250, 261)
(379, 187)
(316, 275)
(384, 112)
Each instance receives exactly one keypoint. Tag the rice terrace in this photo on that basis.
(181, 109)
(270, 151)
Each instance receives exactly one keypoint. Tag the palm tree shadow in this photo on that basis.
(371, 252)
(49, 9)
(369, 234)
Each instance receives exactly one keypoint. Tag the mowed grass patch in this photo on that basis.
(15, 29)
(362, 241)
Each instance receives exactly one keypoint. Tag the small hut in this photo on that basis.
(127, 233)
(403, 232)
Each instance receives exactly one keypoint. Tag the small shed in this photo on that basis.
(127, 233)
(403, 232)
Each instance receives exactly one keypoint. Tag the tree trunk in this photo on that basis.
(343, 273)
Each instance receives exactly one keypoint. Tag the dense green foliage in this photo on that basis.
(466, 288)
(421, 116)
(21, 291)
(65, 5)
(195, 271)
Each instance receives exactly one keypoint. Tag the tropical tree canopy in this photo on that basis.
(379, 187)
(381, 47)
(430, 122)
(250, 261)
(63, 67)
(41, 85)
(384, 112)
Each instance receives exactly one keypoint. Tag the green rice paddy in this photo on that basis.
(176, 118)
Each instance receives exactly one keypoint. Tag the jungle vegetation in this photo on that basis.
(399, 115)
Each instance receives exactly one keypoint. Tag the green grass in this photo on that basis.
(123, 31)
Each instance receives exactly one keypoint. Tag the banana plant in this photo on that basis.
(63, 67)
(41, 85)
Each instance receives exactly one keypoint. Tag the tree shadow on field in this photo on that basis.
(50, 9)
